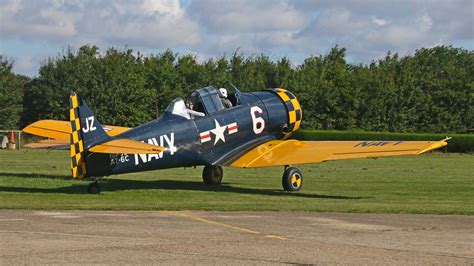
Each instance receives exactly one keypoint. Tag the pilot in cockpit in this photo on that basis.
(223, 96)
(190, 109)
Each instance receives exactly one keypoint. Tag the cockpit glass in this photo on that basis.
(209, 103)
(210, 100)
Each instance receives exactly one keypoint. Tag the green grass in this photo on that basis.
(432, 183)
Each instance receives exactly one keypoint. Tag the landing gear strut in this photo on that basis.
(212, 174)
(93, 188)
(292, 179)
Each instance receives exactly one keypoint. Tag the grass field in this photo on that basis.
(432, 183)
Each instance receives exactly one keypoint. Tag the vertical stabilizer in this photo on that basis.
(78, 163)
(91, 129)
(86, 132)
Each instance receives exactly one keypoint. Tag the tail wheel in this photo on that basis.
(93, 188)
(212, 175)
(292, 179)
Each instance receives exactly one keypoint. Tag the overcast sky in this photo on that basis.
(33, 30)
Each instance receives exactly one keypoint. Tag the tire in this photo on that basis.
(212, 175)
(93, 188)
(292, 179)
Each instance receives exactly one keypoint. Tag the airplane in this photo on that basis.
(254, 132)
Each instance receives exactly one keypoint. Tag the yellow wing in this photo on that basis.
(287, 152)
(57, 129)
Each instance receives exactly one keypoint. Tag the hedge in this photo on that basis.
(459, 142)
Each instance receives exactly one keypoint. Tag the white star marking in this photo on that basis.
(219, 132)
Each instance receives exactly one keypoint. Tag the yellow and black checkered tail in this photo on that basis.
(78, 163)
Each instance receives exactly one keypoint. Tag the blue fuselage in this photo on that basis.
(215, 139)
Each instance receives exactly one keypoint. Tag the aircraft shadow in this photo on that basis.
(111, 185)
(120, 184)
(33, 175)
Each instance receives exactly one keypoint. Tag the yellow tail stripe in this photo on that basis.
(78, 166)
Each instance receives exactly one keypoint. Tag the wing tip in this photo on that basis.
(436, 145)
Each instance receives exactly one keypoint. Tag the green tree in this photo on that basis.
(430, 91)
(284, 74)
(162, 77)
(113, 85)
(327, 94)
(11, 95)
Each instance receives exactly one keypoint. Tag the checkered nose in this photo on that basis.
(293, 107)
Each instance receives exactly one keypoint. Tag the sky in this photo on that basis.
(32, 31)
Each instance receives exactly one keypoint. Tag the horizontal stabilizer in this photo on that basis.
(54, 144)
(126, 146)
(54, 129)
(58, 129)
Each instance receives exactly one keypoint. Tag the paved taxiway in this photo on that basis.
(109, 237)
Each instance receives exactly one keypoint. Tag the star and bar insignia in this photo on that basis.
(219, 132)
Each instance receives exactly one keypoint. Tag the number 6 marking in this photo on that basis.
(258, 122)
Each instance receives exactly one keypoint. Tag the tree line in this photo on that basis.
(429, 91)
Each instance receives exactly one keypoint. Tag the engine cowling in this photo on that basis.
(293, 108)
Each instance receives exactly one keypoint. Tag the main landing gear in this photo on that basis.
(292, 179)
(212, 174)
(93, 188)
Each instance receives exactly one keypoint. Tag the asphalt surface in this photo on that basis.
(110, 237)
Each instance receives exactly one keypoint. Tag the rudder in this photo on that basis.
(78, 163)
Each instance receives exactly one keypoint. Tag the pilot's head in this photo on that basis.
(189, 104)
(223, 92)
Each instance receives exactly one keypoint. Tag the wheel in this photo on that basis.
(292, 179)
(212, 175)
(93, 188)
